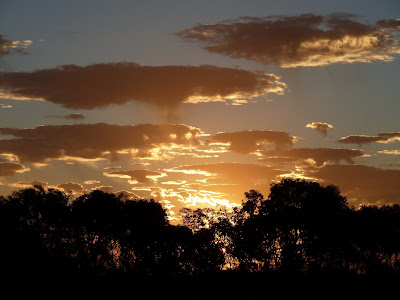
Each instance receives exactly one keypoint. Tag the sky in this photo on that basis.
(194, 103)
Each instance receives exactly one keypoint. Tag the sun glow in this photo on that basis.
(207, 200)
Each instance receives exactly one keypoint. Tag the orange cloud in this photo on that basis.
(93, 141)
(389, 136)
(249, 141)
(71, 187)
(10, 47)
(392, 152)
(137, 176)
(91, 181)
(29, 184)
(304, 40)
(9, 169)
(320, 127)
(100, 85)
(233, 172)
(227, 181)
(104, 188)
(320, 156)
(362, 184)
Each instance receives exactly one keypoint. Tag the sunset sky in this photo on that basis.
(193, 103)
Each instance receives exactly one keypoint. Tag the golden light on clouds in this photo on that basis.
(392, 152)
(102, 130)
(307, 40)
(218, 140)
(92, 141)
(320, 127)
(382, 138)
(137, 176)
(13, 46)
(101, 85)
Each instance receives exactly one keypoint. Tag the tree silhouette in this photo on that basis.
(300, 228)
(292, 230)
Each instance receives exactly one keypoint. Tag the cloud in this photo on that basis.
(76, 116)
(382, 137)
(91, 181)
(10, 47)
(233, 172)
(226, 181)
(362, 184)
(249, 141)
(360, 139)
(101, 85)
(93, 141)
(29, 184)
(303, 40)
(137, 176)
(104, 188)
(127, 195)
(319, 156)
(281, 161)
(389, 24)
(392, 152)
(389, 136)
(71, 187)
(9, 169)
(320, 127)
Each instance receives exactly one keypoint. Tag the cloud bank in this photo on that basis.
(319, 156)
(248, 141)
(228, 180)
(137, 176)
(362, 184)
(101, 85)
(71, 187)
(93, 141)
(303, 40)
(382, 137)
(9, 169)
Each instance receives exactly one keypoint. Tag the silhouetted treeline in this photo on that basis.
(300, 228)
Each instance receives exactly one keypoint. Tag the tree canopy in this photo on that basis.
(301, 227)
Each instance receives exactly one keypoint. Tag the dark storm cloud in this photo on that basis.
(100, 85)
(10, 47)
(303, 40)
(248, 141)
(92, 141)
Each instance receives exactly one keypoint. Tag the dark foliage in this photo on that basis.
(302, 228)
